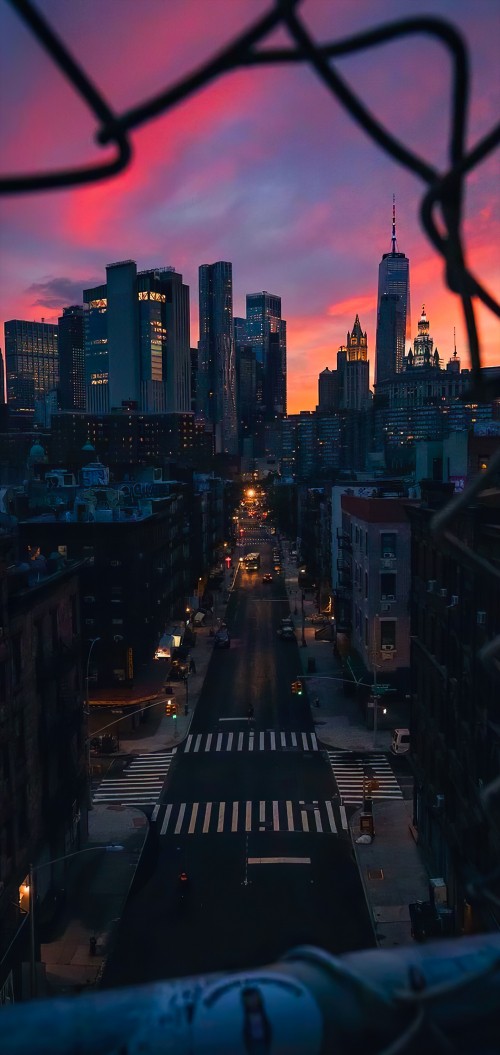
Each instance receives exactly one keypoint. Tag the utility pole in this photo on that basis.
(303, 620)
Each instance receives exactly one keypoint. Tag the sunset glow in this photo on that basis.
(262, 168)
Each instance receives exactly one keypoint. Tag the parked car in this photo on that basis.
(222, 639)
(319, 618)
(400, 744)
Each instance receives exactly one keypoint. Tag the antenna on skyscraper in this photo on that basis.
(393, 239)
(454, 342)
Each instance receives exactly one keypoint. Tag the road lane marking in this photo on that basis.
(273, 741)
(194, 814)
(250, 742)
(230, 742)
(234, 818)
(304, 742)
(261, 742)
(343, 817)
(294, 740)
(329, 810)
(317, 818)
(220, 822)
(209, 742)
(219, 741)
(283, 739)
(314, 741)
(188, 743)
(240, 742)
(278, 860)
(289, 814)
(180, 818)
(206, 822)
(248, 817)
(305, 820)
(155, 812)
(262, 813)
(197, 743)
(276, 820)
(166, 819)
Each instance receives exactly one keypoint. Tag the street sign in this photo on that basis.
(379, 690)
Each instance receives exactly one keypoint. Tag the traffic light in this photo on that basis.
(169, 707)
(174, 710)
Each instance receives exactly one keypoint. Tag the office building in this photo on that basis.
(32, 365)
(217, 372)
(137, 341)
(266, 334)
(393, 309)
(353, 370)
(71, 359)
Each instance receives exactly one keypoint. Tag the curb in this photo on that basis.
(354, 819)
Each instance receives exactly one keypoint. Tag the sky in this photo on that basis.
(263, 167)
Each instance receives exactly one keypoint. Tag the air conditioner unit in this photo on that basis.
(388, 554)
(454, 600)
(431, 585)
(443, 592)
(439, 802)
(390, 597)
(388, 648)
(481, 618)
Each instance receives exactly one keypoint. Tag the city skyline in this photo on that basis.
(306, 216)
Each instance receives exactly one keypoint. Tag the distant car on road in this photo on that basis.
(286, 633)
(222, 639)
(267, 577)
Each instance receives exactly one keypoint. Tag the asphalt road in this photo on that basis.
(253, 819)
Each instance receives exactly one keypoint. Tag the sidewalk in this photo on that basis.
(390, 867)
(97, 888)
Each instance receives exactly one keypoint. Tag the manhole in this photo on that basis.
(375, 873)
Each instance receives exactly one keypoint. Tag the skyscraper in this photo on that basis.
(266, 333)
(32, 364)
(217, 356)
(71, 359)
(393, 309)
(352, 370)
(137, 340)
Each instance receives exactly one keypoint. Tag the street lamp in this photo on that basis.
(303, 620)
(33, 869)
(93, 642)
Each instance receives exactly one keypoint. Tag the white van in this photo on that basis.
(400, 743)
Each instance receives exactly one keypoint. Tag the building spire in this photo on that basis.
(393, 239)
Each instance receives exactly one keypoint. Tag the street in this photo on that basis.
(251, 812)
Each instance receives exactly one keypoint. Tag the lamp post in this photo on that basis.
(303, 620)
(93, 642)
(33, 869)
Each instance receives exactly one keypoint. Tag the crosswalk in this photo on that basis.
(216, 818)
(265, 740)
(349, 770)
(141, 783)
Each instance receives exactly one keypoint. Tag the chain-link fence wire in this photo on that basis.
(440, 208)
